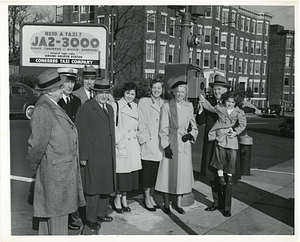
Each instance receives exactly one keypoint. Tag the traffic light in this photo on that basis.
(194, 40)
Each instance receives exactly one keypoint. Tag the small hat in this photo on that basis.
(89, 71)
(101, 84)
(49, 79)
(71, 73)
(220, 81)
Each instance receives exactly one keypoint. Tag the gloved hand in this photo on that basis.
(187, 137)
(168, 152)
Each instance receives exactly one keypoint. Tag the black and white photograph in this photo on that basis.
(132, 120)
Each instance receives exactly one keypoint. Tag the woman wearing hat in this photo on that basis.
(53, 153)
(177, 130)
(127, 147)
(96, 131)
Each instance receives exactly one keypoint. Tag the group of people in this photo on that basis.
(87, 147)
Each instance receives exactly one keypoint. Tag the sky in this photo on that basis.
(282, 14)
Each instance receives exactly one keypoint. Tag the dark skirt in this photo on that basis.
(127, 182)
(149, 173)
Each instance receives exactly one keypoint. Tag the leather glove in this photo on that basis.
(168, 152)
(187, 137)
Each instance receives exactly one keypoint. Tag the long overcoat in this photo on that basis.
(149, 115)
(53, 153)
(96, 133)
(81, 94)
(71, 107)
(126, 138)
(175, 176)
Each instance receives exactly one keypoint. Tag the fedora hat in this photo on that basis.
(89, 71)
(101, 85)
(71, 73)
(219, 81)
(49, 79)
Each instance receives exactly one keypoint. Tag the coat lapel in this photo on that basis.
(132, 112)
(100, 111)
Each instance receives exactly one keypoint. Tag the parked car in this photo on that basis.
(22, 99)
(287, 126)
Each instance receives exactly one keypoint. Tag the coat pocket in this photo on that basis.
(121, 150)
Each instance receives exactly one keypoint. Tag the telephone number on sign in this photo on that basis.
(65, 42)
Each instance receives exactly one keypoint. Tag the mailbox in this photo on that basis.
(188, 73)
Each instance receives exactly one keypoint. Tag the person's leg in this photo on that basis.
(103, 205)
(166, 204)
(43, 226)
(92, 204)
(152, 196)
(148, 202)
(179, 208)
(59, 225)
(227, 200)
(117, 200)
(124, 199)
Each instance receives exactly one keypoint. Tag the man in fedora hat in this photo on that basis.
(221, 194)
(69, 102)
(53, 154)
(96, 130)
(85, 92)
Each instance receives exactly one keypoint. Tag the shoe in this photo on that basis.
(118, 210)
(92, 225)
(179, 210)
(149, 209)
(227, 213)
(105, 219)
(210, 209)
(222, 180)
(166, 210)
(73, 227)
(126, 209)
(229, 180)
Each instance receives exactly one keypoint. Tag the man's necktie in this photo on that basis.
(91, 94)
(105, 110)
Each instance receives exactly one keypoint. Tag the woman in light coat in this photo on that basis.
(177, 130)
(53, 153)
(128, 160)
(151, 152)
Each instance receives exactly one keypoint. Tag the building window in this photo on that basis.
(91, 8)
(241, 45)
(224, 40)
(259, 28)
(232, 42)
(264, 68)
(162, 56)
(240, 66)
(246, 46)
(258, 48)
(151, 21)
(208, 12)
(172, 27)
(243, 24)
(100, 19)
(83, 9)
(236, 43)
(246, 67)
(216, 58)
(247, 27)
(251, 67)
(198, 58)
(257, 68)
(289, 43)
(263, 87)
(287, 61)
(252, 47)
(218, 12)
(253, 26)
(163, 23)
(266, 28)
(171, 54)
(149, 73)
(233, 16)
(231, 64)
(286, 81)
(225, 16)
(265, 48)
(234, 65)
(206, 59)
(217, 34)
(237, 21)
(150, 52)
(256, 87)
(222, 63)
(199, 31)
(207, 33)
(75, 8)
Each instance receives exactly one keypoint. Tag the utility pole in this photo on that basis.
(185, 32)
(112, 47)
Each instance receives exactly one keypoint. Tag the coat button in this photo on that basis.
(128, 138)
(129, 130)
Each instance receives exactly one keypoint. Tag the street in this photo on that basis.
(268, 150)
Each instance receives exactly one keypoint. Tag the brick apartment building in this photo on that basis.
(281, 66)
(235, 42)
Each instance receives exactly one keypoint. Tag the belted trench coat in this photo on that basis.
(175, 176)
(53, 153)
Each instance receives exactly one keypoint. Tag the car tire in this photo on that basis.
(29, 111)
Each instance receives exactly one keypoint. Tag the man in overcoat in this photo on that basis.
(53, 154)
(96, 130)
(86, 92)
(221, 194)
